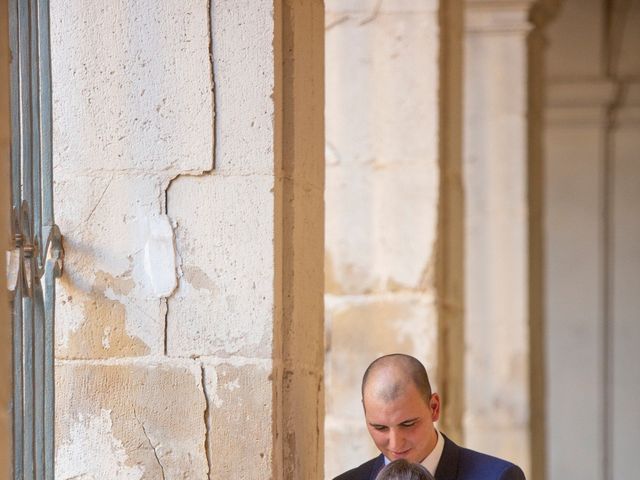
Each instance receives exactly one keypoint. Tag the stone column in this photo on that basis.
(5, 245)
(592, 238)
(624, 416)
(382, 202)
(189, 187)
(575, 154)
(496, 418)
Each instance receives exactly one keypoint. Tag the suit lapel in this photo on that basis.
(448, 465)
(376, 467)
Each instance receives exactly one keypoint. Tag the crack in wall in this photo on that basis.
(153, 447)
(169, 183)
(207, 421)
(164, 305)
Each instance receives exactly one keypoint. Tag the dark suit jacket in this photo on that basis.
(456, 463)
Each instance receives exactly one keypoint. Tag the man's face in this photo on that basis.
(403, 428)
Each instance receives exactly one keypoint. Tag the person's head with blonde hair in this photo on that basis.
(403, 470)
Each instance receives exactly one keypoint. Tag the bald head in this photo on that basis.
(388, 377)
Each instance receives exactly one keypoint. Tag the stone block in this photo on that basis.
(240, 416)
(382, 91)
(382, 6)
(243, 70)
(302, 247)
(303, 427)
(380, 228)
(114, 117)
(130, 421)
(106, 303)
(224, 236)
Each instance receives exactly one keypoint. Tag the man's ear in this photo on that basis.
(434, 405)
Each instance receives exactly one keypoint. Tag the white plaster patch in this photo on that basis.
(91, 452)
(211, 386)
(160, 256)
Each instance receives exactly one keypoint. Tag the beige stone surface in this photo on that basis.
(192, 293)
(382, 198)
(224, 236)
(496, 363)
(243, 69)
(381, 6)
(114, 117)
(130, 421)
(240, 419)
(381, 148)
(106, 290)
(299, 242)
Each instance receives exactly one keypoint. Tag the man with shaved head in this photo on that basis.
(400, 409)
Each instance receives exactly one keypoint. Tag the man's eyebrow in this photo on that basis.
(410, 420)
(373, 424)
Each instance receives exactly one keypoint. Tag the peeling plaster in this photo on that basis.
(92, 452)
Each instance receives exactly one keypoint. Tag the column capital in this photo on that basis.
(629, 111)
(498, 16)
(579, 101)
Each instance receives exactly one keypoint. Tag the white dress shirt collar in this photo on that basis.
(433, 459)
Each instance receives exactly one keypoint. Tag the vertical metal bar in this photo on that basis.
(25, 99)
(28, 378)
(27, 196)
(38, 376)
(49, 379)
(36, 205)
(15, 201)
(18, 411)
(46, 123)
(15, 106)
(36, 229)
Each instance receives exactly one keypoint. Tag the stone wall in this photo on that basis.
(382, 200)
(189, 322)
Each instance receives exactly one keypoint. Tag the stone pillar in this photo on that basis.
(496, 417)
(382, 201)
(450, 242)
(624, 416)
(189, 187)
(5, 245)
(575, 276)
(592, 237)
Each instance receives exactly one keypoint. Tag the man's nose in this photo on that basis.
(395, 440)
